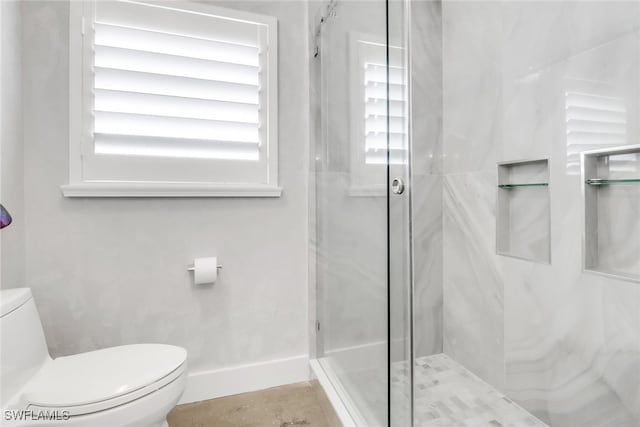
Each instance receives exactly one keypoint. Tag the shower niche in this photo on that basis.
(523, 210)
(611, 190)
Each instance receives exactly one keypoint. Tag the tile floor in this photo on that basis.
(302, 404)
(447, 394)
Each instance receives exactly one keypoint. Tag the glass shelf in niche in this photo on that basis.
(532, 184)
(611, 197)
(523, 217)
(604, 181)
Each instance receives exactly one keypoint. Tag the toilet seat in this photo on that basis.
(98, 380)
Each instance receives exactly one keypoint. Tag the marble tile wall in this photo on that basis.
(426, 134)
(473, 282)
(563, 343)
(573, 342)
(472, 122)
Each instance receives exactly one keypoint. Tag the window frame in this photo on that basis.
(81, 124)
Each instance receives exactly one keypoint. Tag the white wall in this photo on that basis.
(11, 152)
(113, 271)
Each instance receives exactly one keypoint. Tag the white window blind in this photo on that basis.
(178, 92)
(375, 83)
(594, 121)
(370, 131)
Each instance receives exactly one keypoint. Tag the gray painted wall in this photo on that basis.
(11, 147)
(113, 271)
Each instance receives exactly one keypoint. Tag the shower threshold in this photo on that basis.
(446, 395)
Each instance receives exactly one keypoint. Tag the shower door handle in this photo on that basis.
(397, 185)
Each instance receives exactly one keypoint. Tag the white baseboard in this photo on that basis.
(215, 383)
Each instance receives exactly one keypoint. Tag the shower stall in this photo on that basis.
(475, 208)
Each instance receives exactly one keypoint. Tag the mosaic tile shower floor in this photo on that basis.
(449, 395)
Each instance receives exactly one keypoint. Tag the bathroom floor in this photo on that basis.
(301, 404)
(447, 394)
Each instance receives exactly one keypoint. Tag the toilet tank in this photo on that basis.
(23, 348)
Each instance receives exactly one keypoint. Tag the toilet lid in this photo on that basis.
(101, 375)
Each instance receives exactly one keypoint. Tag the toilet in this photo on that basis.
(126, 386)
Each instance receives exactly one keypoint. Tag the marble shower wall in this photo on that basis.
(426, 131)
(563, 343)
(472, 109)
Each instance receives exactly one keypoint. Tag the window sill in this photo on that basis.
(146, 189)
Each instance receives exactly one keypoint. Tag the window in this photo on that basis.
(595, 121)
(171, 99)
(369, 113)
(375, 113)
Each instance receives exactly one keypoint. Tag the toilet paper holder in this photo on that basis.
(192, 268)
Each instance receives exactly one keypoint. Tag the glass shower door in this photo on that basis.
(361, 219)
(399, 219)
(351, 206)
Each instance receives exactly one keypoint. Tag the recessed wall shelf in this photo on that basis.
(523, 215)
(611, 236)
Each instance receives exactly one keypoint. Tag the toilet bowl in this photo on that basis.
(126, 386)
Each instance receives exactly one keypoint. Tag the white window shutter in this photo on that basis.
(177, 92)
(375, 83)
(169, 91)
(375, 125)
(594, 121)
